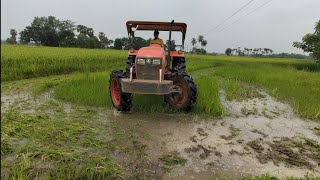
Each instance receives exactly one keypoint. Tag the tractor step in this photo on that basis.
(142, 86)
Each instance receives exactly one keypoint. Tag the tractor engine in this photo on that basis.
(149, 63)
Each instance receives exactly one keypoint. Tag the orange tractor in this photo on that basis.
(150, 70)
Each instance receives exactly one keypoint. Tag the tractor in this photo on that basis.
(150, 70)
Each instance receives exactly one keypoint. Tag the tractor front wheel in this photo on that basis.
(185, 93)
(121, 101)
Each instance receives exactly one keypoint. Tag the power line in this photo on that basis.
(230, 17)
(246, 15)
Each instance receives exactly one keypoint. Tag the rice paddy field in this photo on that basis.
(45, 140)
(294, 81)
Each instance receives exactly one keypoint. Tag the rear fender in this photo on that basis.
(176, 53)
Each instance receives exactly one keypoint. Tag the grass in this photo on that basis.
(293, 81)
(238, 79)
(39, 146)
(173, 159)
(317, 131)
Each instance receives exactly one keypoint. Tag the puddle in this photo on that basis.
(8, 100)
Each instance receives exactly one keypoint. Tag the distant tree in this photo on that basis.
(26, 35)
(110, 41)
(245, 51)
(81, 29)
(173, 45)
(138, 42)
(255, 51)
(118, 43)
(193, 42)
(121, 43)
(271, 51)
(204, 43)
(13, 38)
(311, 43)
(86, 38)
(200, 38)
(148, 41)
(228, 51)
(125, 42)
(199, 51)
(90, 32)
(93, 42)
(49, 31)
(66, 34)
(103, 40)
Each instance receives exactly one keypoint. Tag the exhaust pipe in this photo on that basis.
(169, 48)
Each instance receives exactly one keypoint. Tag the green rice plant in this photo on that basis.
(20, 62)
(296, 82)
(209, 98)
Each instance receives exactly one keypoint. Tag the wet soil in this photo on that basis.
(271, 138)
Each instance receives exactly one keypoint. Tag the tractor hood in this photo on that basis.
(150, 52)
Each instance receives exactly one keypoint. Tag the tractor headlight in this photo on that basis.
(141, 61)
(156, 61)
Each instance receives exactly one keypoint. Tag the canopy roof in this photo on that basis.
(160, 26)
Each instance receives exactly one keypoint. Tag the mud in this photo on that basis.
(240, 144)
(259, 135)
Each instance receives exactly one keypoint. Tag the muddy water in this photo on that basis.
(223, 147)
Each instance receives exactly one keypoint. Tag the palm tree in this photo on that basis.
(193, 42)
(200, 38)
(245, 51)
(235, 50)
(271, 51)
(204, 43)
(260, 50)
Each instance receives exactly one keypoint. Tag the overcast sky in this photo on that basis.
(275, 26)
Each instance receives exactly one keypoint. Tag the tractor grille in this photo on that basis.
(148, 71)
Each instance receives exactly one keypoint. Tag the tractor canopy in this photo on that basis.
(160, 26)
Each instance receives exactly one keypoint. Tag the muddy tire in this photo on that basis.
(179, 64)
(187, 94)
(120, 100)
(131, 63)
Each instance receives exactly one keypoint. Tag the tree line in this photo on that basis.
(248, 51)
(310, 44)
(202, 42)
(50, 31)
(262, 52)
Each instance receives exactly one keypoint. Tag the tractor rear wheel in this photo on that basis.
(179, 64)
(185, 95)
(120, 100)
